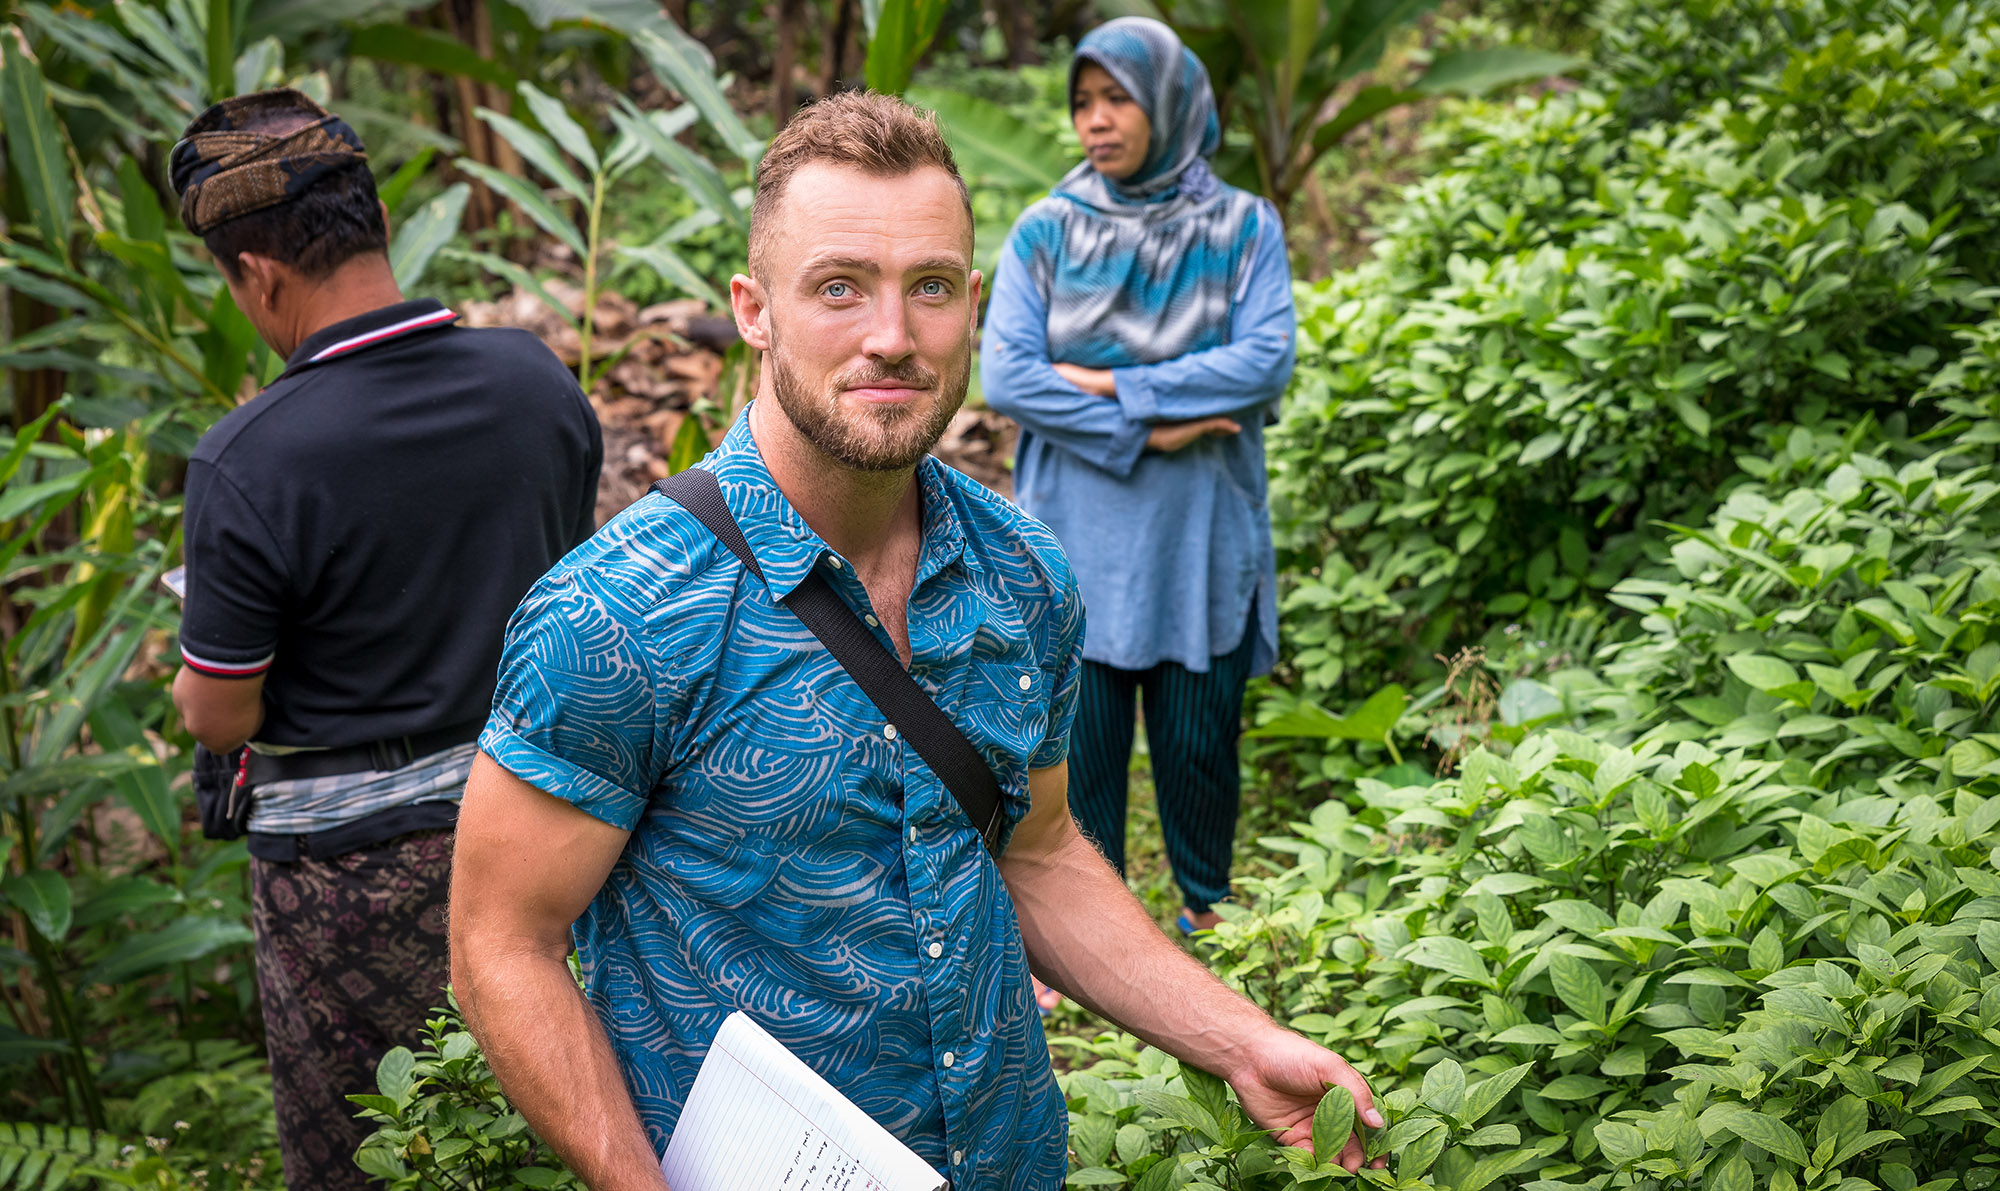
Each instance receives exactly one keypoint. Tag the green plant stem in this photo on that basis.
(591, 244)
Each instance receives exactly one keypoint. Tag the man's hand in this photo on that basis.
(1172, 436)
(1281, 1081)
(1096, 381)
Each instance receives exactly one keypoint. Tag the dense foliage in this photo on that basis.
(1735, 924)
(1569, 335)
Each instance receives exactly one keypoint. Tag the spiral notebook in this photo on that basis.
(759, 1119)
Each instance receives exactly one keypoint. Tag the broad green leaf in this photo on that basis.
(904, 29)
(1486, 1095)
(1453, 955)
(1368, 103)
(395, 1073)
(683, 64)
(177, 942)
(1444, 1087)
(1372, 721)
(1574, 1087)
(43, 898)
(670, 265)
(530, 200)
(1761, 671)
(993, 143)
(1475, 72)
(144, 787)
(1770, 1133)
(420, 236)
(704, 182)
(1333, 1122)
(36, 155)
(538, 151)
(560, 125)
(1579, 986)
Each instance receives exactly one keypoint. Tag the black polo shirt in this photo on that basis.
(360, 532)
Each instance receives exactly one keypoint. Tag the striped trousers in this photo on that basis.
(1192, 724)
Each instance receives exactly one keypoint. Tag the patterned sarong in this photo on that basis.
(351, 958)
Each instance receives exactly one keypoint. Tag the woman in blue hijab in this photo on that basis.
(1141, 333)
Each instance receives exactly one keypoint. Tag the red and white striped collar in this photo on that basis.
(366, 330)
(366, 338)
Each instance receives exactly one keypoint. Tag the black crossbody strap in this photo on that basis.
(876, 670)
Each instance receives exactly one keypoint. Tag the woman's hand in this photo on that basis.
(1172, 436)
(1096, 381)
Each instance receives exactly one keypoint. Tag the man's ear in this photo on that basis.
(747, 301)
(976, 283)
(387, 231)
(263, 278)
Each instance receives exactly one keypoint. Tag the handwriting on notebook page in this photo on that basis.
(819, 1165)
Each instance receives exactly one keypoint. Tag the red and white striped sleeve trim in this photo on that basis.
(380, 333)
(226, 669)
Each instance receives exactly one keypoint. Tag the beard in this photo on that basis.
(871, 438)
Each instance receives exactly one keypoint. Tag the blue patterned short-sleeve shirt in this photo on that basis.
(790, 856)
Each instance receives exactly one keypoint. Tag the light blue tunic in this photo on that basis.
(1172, 551)
(790, 857)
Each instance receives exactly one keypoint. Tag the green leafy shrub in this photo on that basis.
(1572, 333)
(1733, 920)
(443, 1122)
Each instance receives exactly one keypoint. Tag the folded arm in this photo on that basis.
(1019, 380)
(1088, 937)
(1240, 378)
(511, 911)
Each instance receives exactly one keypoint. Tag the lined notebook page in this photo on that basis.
(759, 1119)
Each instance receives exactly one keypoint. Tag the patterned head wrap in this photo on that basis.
(221, 169)
(1171, 84)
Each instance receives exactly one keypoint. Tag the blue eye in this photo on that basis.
(933, 289)
(837, 289)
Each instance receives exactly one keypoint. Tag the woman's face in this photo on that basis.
(1110, 123)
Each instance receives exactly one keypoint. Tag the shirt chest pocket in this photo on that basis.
(1006, 708)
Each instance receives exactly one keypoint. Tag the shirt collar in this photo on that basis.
(786, 548)
(367, 330)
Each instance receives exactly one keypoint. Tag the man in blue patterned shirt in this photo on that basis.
(677, 770)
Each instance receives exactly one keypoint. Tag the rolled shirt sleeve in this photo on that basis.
(575, 711)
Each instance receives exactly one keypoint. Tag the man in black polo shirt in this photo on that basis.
(356, 538)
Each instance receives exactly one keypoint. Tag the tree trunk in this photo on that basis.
(784, 92)
(1017, 27)
(458, 101)
(836, 45)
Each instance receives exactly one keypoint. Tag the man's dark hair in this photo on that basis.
(336, 220)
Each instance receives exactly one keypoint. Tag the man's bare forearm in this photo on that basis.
(552, 1058)
(1088, 937)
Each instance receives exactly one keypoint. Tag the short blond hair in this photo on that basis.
(863, 130)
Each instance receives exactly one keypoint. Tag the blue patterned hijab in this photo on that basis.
(1146, 268)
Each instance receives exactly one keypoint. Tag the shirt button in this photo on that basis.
(872, 622)
(957, 1157)
(913, 835)
(948, 1059)
(889, 731)
(833, 562)
(935, 950)
(1026, 682)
